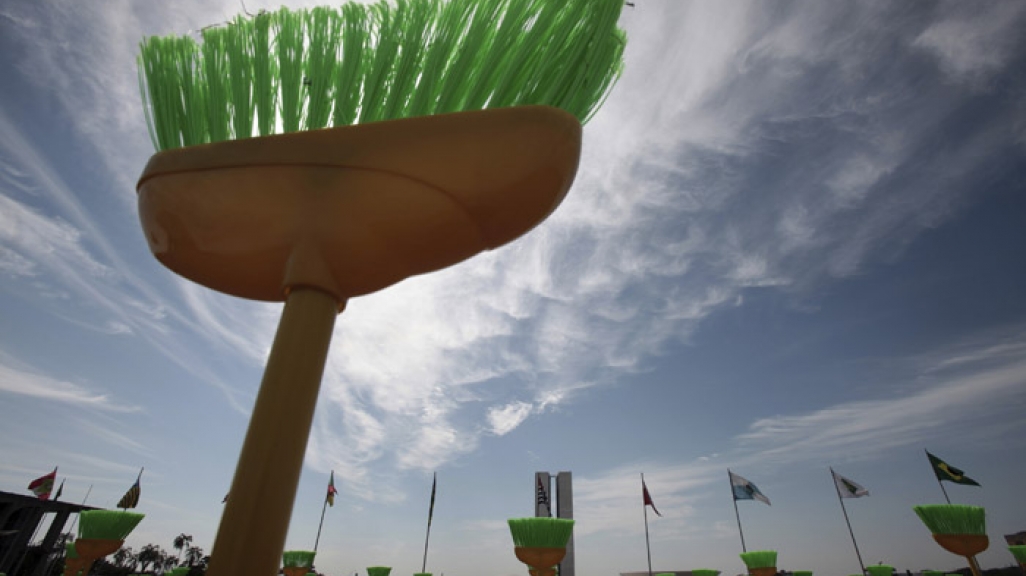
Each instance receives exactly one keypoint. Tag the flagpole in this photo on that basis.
(75, 521)
(939, 483)
(431, 512)
(736, 514)
(848, 522)
(321, 525)
(648, 548)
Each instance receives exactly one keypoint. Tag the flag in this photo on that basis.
(648, 498)
(43, 485)
(331, 490)
(131, 498)
(848, 488)
(543, 497)
(60, 490)
(745, 490)
(431, 508)
(944, 471)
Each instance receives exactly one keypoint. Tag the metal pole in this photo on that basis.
(321, 525)
(843, 509)
(648, 548)
(431, 512)
(736, 514)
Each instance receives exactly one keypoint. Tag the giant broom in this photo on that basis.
(314, 156)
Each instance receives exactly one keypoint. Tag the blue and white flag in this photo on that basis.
(745, 490)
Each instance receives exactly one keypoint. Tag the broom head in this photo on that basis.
(69, 551)
(1019, 552)
(378, 570)
(953, 518)
(705, 572)
(540, 532)
(880, 570)
(107, 524)
(802, 573)
(759, 559)
(297, 558)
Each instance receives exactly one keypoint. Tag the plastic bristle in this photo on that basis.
(293, 70)
(953, 518)
(541, 532)
(759, 558)
(107, 524)
(297, 558)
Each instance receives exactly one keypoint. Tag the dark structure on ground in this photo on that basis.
(20, 518)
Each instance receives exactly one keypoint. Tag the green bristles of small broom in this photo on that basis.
(880, 570)
(541, 532)
(179, 571)
(705, 572)
(378, 570)
(1019, 552)
(953, 518)
(933, 573)
(297, 558)
(107, 524)
(296, 70)
(759, 559)
(70, 552)
(802, 573)
(664, 574)
(421, 574)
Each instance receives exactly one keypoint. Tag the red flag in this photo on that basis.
(648, 499)
(43, 485)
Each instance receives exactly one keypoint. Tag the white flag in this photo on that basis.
(848, 488)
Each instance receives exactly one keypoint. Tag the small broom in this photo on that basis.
(705, 572)
(297, 562)
(802, 573)
(378, 570)
(179, 571)
(959, 529)
(1019, 552)
(102, 532)
(760, 562)
(72, 563)
(540, 542)
(880, 570)
(932, 573)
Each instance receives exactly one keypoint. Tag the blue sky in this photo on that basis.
(795, 241)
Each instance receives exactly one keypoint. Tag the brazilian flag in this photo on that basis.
(945, 471)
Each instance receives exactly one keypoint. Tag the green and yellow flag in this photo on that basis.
(945, 471)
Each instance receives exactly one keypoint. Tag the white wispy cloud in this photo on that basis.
(705, 175)
(23, 382)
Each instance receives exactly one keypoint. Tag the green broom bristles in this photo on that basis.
(802, 573)
(107, 524)
(69, 551)
(297, 558)
(421, 574)
(759, 559)
(933, 573)
(1019, 552)
(953, 518)
(705, 572)
(179, 571)
(540, 532)
(308, 69)
(378, 570)
(880, 570)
